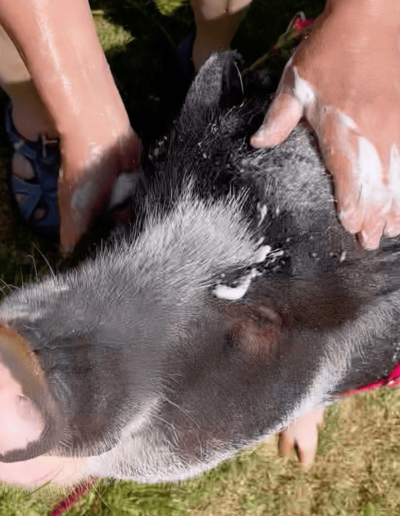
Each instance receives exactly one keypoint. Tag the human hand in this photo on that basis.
(345, 80)
(90, 167)
(302, 435)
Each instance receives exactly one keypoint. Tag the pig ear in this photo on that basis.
(217, 85)
(31, 423)
(255, 329)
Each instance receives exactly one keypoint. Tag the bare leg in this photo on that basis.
(216, 24)
(29, 114)
(30, 117)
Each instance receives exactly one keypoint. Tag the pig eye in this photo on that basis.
(255, 330)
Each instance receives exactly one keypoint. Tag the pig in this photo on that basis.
(235, 304)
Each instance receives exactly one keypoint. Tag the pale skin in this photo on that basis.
(344, 80)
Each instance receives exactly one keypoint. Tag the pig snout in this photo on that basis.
(22, 424)
(25, 403)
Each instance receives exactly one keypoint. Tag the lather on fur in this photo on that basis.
(235, 304)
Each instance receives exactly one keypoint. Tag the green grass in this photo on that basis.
(356, 472)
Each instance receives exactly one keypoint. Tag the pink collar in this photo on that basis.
(390, 381)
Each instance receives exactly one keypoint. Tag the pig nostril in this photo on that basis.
(17, 355)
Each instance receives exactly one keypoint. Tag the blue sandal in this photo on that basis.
(40, 192)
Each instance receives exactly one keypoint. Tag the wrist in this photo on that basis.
(58, 43)
(385, 12)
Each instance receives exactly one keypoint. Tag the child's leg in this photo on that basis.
(216, 24)
(29, 114)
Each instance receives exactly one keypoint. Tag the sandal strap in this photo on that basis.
(32, 194)
(44, 156)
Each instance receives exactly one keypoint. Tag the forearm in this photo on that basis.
(58, 43)
(381, 11)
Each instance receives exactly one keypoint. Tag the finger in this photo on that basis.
(338, 145)
(372, 231)
(376, 193)
(79, 203)
(306, 452)
(282, 117)
(74, 221)
(348, 190)
(392, 228)
(285, 444)
(306, 435)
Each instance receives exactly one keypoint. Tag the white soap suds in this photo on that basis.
(394, 170)
(262, 253)
(347, 121)
(84, 195)
(235, 293)
(124, 187)
(263, 212)
(370, 171)
(302, 89)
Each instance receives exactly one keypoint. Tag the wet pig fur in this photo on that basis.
(235, 303)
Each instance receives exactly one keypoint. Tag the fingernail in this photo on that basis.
(392, 232)
(261, 132)
(369, 241)
(349, 221)
(265, 136)
(306, 458)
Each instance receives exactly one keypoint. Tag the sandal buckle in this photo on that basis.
(47, 142)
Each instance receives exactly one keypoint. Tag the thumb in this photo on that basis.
(81, 201)
(282, 117)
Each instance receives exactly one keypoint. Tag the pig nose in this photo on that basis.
(31, 423)
(20, 420)
(17, 356)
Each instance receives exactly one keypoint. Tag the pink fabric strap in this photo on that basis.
(63, 506)
(390, 381)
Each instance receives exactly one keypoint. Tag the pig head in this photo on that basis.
(234, 304)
